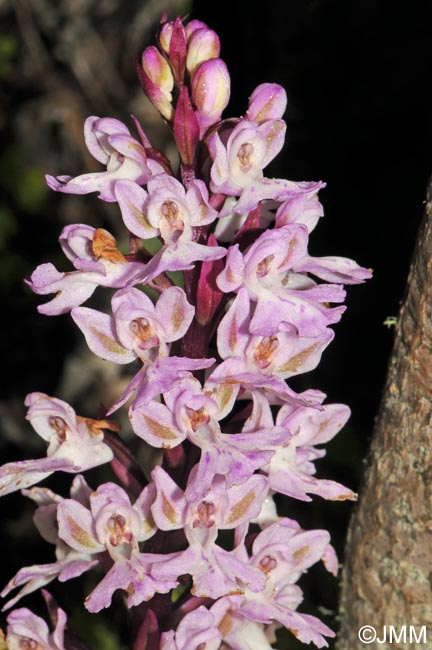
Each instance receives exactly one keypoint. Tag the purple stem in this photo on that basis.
(188, 606)
(124, 464)
(195, 341)
(148, 636)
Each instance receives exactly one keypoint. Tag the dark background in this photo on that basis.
(357, 74)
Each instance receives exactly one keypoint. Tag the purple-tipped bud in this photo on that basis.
(165, 36)
(192, 27)
(203, 45)
(158, 69)
(267, 102)
(210, 92)
(158, 80)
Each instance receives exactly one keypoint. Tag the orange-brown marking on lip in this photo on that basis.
(243, 155)
(263, 267)
(226, 624)
(172, 216)
(141, 328)
(265, 350)
(104, 246)
(268, 563)
(96, 426)
(197, 417)
(205, 512)
(119, 531)
(59, 426)
(170, 211)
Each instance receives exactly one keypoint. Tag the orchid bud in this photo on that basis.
(210, 91)
(158, 69)
(165, 36)
(203, 45)
(267, 102)
(158, 80)
(193, 26)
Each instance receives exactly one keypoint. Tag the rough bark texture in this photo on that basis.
(388, 567)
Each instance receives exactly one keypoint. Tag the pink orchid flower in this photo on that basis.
(97, 261)
(110, 142)
(238, 165)
(193, 412)
(137, 328)
(70, 563)
(283, 552)
(25, 631)
(75, 444)
(282, 352)
(168, 211)
(291, 469)
(111, 524)
(215, 572)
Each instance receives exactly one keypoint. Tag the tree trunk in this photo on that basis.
(388, 566)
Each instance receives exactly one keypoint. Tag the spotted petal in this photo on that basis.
(101, 336)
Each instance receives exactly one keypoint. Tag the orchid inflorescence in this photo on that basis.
(210, 393)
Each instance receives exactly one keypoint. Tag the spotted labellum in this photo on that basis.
(215, 323)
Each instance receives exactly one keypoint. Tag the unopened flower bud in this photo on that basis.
(158, 80)
(267, 102)
(158, 70)
(203, 45)
(165, 36)
(210, 91)
(193, 26)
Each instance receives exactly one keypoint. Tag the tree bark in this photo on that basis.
(388, 567)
